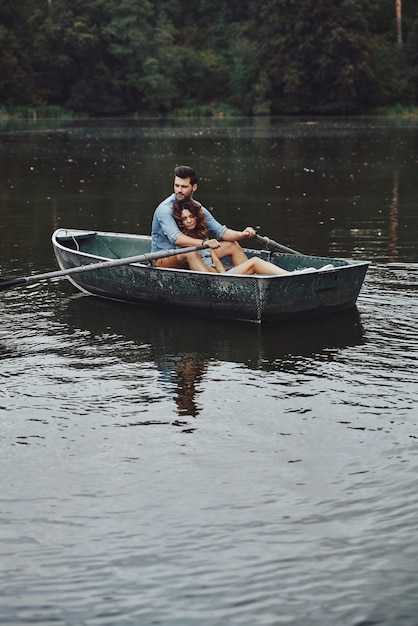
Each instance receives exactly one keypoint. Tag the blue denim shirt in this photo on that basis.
(165, 230)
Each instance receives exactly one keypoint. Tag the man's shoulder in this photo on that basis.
(166, 204)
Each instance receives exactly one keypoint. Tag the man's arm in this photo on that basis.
(184, 241)
(226, 234)
(237, 235)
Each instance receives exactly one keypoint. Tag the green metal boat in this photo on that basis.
(253, 298)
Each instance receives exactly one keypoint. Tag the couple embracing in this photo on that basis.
(183, 222)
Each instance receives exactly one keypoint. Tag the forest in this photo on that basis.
(217, 57)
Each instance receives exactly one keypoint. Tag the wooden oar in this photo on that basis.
(274, 246)
(142, 258)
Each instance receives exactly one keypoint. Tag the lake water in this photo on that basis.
(165, 469)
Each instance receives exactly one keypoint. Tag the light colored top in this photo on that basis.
(206, 257)
(208, 261)
(165, 231)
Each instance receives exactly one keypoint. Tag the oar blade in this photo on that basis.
(9, 283)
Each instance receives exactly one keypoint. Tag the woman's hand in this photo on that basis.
(213, 244)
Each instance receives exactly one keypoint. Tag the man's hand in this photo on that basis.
(248, 232)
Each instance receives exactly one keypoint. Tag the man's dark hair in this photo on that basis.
(184, 171)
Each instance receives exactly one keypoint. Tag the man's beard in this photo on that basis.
(182, 197)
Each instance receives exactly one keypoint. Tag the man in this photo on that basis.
(166, 234)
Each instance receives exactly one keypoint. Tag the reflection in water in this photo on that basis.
(103, 496)
(393, 220)
(189, 373)
(181, 347)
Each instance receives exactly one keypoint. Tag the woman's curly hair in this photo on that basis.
(201, 230)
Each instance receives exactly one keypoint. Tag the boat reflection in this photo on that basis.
(181, 347)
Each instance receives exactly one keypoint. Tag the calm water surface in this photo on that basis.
(161, 469)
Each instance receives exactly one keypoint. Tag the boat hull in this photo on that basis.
(251, 298)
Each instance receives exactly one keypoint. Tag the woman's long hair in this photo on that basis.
(201, 230)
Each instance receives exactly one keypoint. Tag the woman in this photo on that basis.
(191, 221)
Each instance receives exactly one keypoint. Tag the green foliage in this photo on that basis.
(18, 24)
(319, 60)
(34, 113)
(243, 63)
(75, 68)
(411, 62)
(209, 57)
(380, 16)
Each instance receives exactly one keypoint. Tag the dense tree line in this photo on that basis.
(109, 57)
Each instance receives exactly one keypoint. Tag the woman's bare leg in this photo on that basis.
(195, 262)
(255, 265)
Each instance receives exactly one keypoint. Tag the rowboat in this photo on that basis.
(255, 298)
